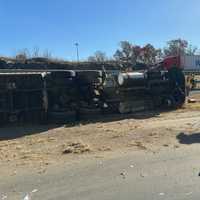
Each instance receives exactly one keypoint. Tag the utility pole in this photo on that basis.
(77, 50)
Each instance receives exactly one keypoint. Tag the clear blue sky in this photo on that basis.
(95, 24)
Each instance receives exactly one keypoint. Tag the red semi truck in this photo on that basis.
(189, 63)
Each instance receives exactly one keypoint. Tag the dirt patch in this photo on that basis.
(77, 148)
(138, 144)
(43, 145)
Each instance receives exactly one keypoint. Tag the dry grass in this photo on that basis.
(76, 148)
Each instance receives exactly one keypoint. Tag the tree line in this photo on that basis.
(147, 54)
(25, 54)
(126, 53)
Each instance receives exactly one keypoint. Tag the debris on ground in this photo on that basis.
(76, 148)
(100, 163)
(192, 100)
(165, 145)
(35, 190)
(105, 148)
(141, 175)
(27, 197)
(138, 144)
(123, 174)
(4, 197)
(176, 146)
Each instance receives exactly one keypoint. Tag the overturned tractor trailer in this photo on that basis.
(70, 94)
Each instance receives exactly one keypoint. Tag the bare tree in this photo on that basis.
(47, 54)
(179, 47)
(191, 50)
(22, 55)
(98, 56)
(175, 47)
(125, 53)
(36, 52)
(159, 54)
(148, 54)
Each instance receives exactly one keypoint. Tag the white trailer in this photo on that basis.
(190, 63)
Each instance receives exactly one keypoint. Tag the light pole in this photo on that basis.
(77, 50)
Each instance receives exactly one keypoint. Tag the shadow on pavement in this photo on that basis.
(13, 132)
(188, 139)
(106, 118)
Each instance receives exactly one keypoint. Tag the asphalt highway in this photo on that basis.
(169, 174)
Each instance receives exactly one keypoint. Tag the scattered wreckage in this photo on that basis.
(55, 92)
